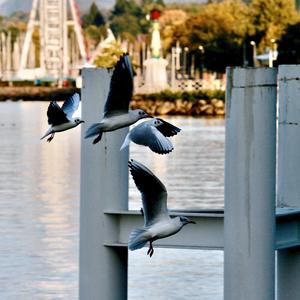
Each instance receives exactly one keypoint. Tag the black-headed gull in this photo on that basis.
(152, 134)
(158, 224)
(61, 118)
(116, 110)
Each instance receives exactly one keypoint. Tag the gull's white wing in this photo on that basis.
(148, 135)
(71, 105)
(77, 113)
(167, 129)
(154, 193)
(121, 88)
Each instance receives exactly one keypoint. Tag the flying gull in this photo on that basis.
(152, 133)
(158, 224)
(116, 110)
(62, 118)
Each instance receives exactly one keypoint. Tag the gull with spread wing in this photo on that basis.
(116, 110)
(158, 224)
(62, 118)
(152, 134)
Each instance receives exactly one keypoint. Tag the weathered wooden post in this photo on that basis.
(250, 159)
(288, 260)
(104, 186)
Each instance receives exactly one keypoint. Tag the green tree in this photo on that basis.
(126, 25)
(221, 29)
(169, 21)
(129, 19)
(289, 46)
(269, 18)
(125, 7)
(94, 34)
(94, 17)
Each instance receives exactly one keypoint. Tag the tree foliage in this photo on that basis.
(121, 25)
(94, 34)
(223, 28)
(169, 21)
(128, 17)
(220, 28)
(94, 17)
(125, 18)
(109, 56)
(268, 20)
(93, 24)
(289, 46)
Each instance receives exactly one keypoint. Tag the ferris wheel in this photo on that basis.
(54, 19)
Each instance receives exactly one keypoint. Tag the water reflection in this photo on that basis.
(39, 208)
(176, 274)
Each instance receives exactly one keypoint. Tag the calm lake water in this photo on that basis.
(39, 209)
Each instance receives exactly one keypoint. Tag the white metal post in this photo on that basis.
(250, 157)
(288, 260)
(104, 186)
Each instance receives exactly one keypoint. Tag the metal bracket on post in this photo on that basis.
(207, 233)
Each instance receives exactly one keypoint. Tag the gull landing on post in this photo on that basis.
(116, 110)
(62, 118)
(158, 224)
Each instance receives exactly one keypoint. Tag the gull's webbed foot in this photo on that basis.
(150, 250)
(50, 138)
(98, 138)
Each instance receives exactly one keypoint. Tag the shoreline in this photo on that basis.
(199, 107)
(40, 93)
(180, 107)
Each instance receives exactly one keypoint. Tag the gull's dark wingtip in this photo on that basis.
(131, 164)
(168, 129)
(135, 166)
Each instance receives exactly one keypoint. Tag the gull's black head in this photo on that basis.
(139, 114)
(142, 113)
(78, 121)
(156, 122)
(185, 220)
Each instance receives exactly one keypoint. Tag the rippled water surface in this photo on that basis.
(39, 209)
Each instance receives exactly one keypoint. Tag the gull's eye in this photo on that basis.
(182, 219)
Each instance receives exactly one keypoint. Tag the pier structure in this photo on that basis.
(54, 19)
(259, 218)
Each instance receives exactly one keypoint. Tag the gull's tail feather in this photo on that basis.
(93, 130)
(126, 142)
(138, 239)
(49, 131)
